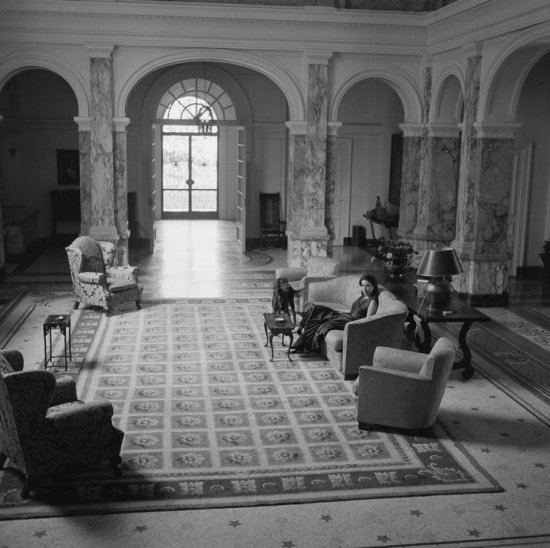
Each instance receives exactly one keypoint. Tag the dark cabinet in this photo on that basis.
(65, 207)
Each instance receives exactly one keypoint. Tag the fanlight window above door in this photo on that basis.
(198, 104)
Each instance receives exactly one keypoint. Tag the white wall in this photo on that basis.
(534, 116)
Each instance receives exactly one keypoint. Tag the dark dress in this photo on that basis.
(318, 320)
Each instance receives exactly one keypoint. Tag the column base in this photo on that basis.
(301, 248)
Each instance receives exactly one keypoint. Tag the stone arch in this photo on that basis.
(400, 82)
(17, 62)
(213, 73)
(506, 75)
(448, 93)
(267, 67)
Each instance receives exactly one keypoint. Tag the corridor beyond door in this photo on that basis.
(200, 259)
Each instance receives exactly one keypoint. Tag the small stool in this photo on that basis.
(63, 323)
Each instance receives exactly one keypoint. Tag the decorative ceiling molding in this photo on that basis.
(198, 19)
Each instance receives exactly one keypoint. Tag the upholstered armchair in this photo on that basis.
(96, 279)
(404, 389)
(316, 269)
(45, 431)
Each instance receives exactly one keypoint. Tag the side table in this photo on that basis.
(63, 323)
(278, 324)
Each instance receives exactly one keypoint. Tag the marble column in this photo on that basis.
(102, 226)
(296, 183)
(485, 181)
(308, 235)
(84, 125)
(413, 150)
(437, 198)
(121, 187)
(332, 209)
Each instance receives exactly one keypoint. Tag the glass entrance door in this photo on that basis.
(190, 176)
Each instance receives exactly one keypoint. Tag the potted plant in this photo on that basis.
(395, 255)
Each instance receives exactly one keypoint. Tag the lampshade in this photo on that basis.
(439, 264)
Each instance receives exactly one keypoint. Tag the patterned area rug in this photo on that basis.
(209, 421)
(517, 347)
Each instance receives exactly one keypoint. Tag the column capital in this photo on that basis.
(119, 124)
(412, 130)
(318, 58)
(333, 128)
(443, 130)
(296, 127)
(103, 52)
(84, 123)
(496, 130)
(473, 50)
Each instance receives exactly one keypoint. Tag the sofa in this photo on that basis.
(354, 346)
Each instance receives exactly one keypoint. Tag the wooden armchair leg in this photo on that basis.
(138, 305)
(76, 304)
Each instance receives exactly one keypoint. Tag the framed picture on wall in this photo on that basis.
(68, 167)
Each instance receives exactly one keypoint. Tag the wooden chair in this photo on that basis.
(272, 228)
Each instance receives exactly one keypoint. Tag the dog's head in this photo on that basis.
(281, 285)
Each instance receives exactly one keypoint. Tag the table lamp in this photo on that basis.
(439, 265)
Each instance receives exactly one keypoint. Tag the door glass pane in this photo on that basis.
(176, 161)
(204, 153)
(175, 200)
(205, 200)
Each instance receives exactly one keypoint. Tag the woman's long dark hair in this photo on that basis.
(370, 278)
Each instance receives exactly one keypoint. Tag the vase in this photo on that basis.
(394, 270)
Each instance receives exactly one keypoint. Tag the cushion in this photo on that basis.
(118, 286)
(5, 367)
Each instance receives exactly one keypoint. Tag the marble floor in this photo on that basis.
(197, 259)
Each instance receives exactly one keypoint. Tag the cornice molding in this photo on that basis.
(174, 16)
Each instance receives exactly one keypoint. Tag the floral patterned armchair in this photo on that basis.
(45, 430)
(96, 279)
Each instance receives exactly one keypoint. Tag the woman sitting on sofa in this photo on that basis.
(318, 320)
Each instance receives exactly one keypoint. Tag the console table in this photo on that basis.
(420, 318)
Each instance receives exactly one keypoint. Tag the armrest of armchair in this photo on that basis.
(14, 358)
(292, 274)
(130, 273)
(79, 417)
(92, 278)
(398, 360)
(362, 337)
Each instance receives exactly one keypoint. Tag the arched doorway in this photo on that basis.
(235, 101)
(188, 116)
